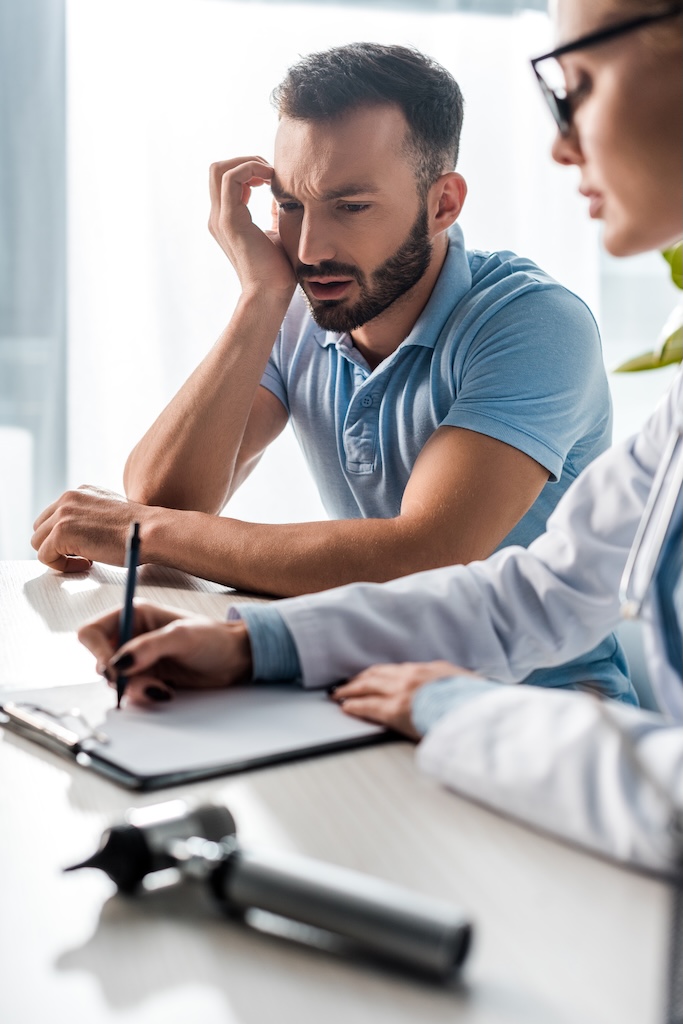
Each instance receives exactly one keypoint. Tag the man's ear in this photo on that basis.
(445, 201)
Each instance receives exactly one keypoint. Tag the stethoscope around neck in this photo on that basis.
(654, 525)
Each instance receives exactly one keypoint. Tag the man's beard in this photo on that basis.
(392, 279)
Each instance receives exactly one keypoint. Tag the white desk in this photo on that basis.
(561, 937)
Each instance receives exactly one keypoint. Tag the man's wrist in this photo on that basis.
(160, 530)
(265, 300)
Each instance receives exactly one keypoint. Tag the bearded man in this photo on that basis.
(444, 399)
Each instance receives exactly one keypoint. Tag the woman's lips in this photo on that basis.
(596, 202)
(329, 288)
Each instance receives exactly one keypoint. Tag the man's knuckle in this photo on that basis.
(66, 513)
(59, 532)
(73, 498)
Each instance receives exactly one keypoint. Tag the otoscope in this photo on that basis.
(391, 922)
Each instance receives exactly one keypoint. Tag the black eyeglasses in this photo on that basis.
(551, 76)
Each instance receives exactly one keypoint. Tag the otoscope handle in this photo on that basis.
(386, 919)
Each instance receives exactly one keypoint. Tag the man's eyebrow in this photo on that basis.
(278, 192)
(353, 188)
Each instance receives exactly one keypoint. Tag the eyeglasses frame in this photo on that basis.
(559, 105)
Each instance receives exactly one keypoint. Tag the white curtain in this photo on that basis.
(157, 90)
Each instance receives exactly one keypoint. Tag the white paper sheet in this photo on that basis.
(222, 730)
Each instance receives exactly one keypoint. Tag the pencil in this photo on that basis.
(126, 619)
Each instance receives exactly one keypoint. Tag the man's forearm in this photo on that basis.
(286, 560)
(186, 460)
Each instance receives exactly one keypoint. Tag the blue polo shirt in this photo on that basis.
(500, 348)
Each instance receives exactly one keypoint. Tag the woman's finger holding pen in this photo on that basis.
(101, 635)
(195, 653)
(146, 690)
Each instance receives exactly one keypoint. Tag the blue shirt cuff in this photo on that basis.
(432, 701)
(273, 652)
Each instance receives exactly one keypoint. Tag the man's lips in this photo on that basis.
(328, 287)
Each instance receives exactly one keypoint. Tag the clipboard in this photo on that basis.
(197, 735)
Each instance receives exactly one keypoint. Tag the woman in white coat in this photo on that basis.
(604, 775)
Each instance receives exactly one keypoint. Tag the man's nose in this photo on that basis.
(316, 242)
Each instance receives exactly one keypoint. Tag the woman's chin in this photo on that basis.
(615, 245)
(621, 238)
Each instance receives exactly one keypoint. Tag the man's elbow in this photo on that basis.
(148, 492)
(141, 490)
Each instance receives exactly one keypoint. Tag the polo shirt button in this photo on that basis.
(366, 401)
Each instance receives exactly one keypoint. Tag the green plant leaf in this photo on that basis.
(644, 362)
(674, 257)
(670, 352)
(672, 349)
(670, 342)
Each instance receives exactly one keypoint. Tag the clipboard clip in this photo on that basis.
(36, 719)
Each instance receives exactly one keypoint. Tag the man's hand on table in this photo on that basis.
(384, 693)
(169, 649)
(88, 525)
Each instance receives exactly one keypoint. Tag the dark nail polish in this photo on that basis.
(156, 693)
(122, 662)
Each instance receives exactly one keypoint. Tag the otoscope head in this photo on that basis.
(123, 855)
(142, 845)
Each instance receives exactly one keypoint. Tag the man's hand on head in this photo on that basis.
(169, 650)
(87, 525)
(258, 256)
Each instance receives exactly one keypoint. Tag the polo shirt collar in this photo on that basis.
(452, 284)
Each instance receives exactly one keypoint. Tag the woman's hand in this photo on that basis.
(384, 693)
(168, 649)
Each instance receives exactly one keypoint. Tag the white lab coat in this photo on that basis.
(552, 758)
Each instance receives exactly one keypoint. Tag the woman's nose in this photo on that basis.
(565, 149)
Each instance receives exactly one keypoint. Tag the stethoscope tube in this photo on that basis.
(653, 527)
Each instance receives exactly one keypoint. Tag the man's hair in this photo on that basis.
(327, 85)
